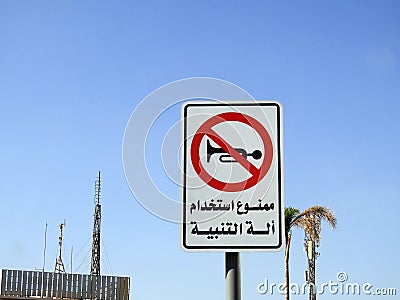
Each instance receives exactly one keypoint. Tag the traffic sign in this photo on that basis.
(232, 176)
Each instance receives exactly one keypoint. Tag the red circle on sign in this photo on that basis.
(257, 173)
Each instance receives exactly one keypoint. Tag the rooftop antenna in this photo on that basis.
(72, 251)
(44, 260)
(59, 267)
(44, 248)
(95, 261)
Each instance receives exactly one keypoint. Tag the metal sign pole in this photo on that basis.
(232, 276)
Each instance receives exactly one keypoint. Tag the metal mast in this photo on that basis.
(95, 262)
(311, 243)
(59, 267)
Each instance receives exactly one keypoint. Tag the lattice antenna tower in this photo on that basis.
(95, 261)
(59, 267)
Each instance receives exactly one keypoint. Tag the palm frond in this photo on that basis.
(290, 214)
(310, 220)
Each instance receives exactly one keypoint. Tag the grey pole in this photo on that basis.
(232, 276)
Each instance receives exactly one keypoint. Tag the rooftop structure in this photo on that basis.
(18, 284)
(28, 285)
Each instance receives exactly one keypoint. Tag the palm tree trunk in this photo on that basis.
(311, 273)
(288, 239)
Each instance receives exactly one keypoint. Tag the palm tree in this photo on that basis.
(290, 216)
(310, 221)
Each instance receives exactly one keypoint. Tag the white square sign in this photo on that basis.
(232, 176)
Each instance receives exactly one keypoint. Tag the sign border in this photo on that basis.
(279, 152)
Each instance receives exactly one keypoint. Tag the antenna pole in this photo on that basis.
(45, 246)
(59, 267)
(72, 251)
(44, 257)
(95, 261)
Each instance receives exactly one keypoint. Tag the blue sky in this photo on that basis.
(72, 72)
